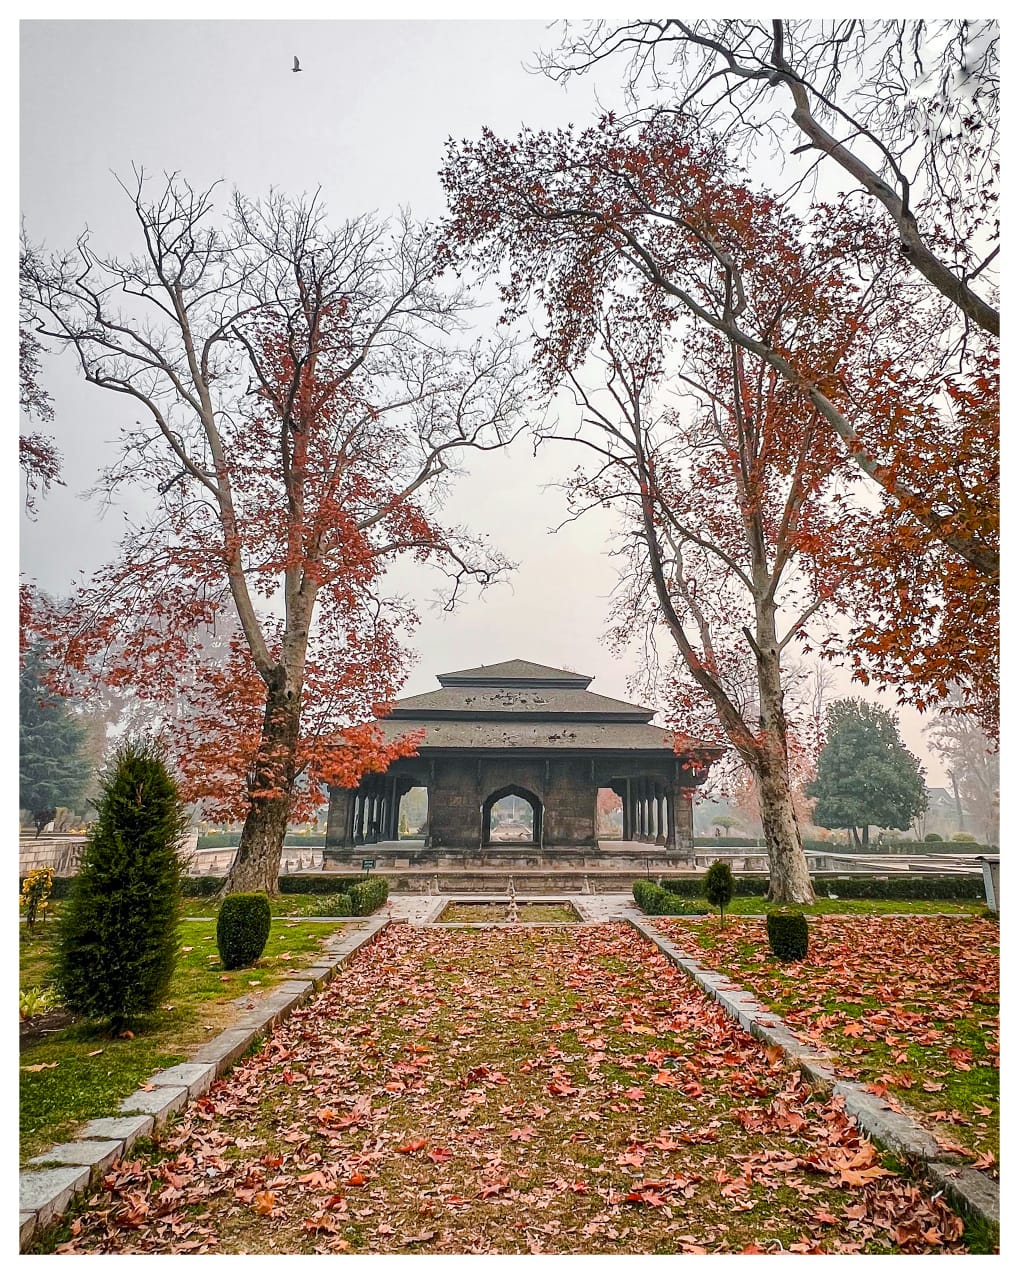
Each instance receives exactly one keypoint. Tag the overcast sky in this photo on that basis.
(366, 121)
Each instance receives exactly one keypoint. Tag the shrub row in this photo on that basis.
(907, 887)
(928, 846)
(653, 900)
(326, 883)
(371, 892)
(742, 842)
(669, 899)
(206, 886)
(931, 844)
(230, 840)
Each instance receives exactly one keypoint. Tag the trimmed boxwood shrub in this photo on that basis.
(368, 895)
(787, 934)
(242, 929)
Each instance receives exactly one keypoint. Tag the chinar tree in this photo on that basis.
(865, 775)
(714, 446)
(304, 392)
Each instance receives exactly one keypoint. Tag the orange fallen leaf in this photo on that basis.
(265, 1201)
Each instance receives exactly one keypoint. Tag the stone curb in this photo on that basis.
(968, 1189)
(52, 1179)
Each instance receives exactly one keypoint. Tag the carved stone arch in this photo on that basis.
(512, 789)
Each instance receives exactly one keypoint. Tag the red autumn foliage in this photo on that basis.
(660, 211)
(303, 400)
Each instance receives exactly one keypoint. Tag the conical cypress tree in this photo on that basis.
(118, 931)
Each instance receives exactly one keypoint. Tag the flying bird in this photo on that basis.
(297, 65)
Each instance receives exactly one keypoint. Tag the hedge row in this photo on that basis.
(368, 895)
(230, 840)
(653, 900)
(206, 886)
(945, 846)
(672, 899)
(363, 895)
(743, 842)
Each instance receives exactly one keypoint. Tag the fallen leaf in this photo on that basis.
(265, 1201)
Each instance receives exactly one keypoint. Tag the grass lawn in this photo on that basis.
(507, 1090)
(77, 1073)
(498, 913)
(909, 1006)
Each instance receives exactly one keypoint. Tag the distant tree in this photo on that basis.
(54, 765)
(971, 759)
(117, 944)
(865, 775)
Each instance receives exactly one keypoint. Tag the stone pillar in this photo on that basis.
(340, 819)
(684, 819)
(627, 811)
(393, 823)
(660, 839)
(670, 824)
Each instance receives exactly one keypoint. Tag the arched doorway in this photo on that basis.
(532, 802)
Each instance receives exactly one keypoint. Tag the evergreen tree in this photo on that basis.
(53, 762)
(118, 943)
(865, 775)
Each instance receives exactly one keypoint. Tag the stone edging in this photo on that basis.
(51, 1180)
(967, 1188)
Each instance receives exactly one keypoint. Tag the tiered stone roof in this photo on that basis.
(521, 705)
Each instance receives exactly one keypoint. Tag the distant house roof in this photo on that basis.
(527, 706)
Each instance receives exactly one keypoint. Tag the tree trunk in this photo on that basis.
(256, 866)
(866, 836)
(787, 865)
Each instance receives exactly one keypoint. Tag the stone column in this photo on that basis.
(670, 817)
(340, 819)
(660, 839)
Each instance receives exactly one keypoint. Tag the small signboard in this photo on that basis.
(367, 864)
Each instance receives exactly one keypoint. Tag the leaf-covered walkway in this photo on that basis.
(559, 1090)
